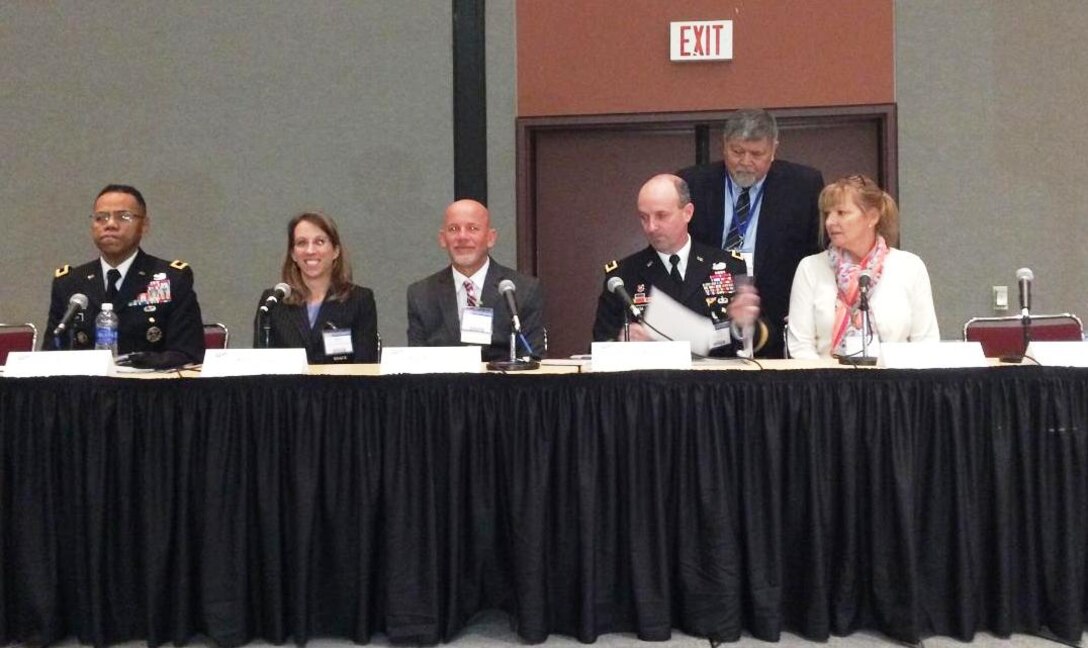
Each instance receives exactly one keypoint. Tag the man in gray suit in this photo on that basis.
(461, 304)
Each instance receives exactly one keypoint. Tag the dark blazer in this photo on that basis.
(171, 332)
(290, 327)
(789, 230)
(644, 269)
(432, 311)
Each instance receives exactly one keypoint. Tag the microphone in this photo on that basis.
(615, 286)
(506, 288)
(76, 303)
(865, 279)
(1024, 277)
(280, 292)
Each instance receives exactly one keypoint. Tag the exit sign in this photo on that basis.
(706, 40)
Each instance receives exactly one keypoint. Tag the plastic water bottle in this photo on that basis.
(105, 329)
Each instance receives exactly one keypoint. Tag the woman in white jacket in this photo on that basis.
(861, 223)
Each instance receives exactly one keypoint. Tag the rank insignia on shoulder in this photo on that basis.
(608, 267)
(60, 272)
(178, 264)
(736, 254)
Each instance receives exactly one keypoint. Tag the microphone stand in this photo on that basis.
(513, 364)
(1025, 325)
(265, 341)
(626, 326)
(865, 360)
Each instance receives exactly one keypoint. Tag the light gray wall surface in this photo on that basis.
(231, 118)
(993, 150)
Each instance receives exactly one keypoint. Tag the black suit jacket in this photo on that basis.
(644, 269)
(290, 327)
(171, 333)
(789, 230)
(432, 311)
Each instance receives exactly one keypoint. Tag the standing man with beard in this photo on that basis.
(765, 209)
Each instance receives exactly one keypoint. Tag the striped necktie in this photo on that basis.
(470, 294)
(739, 226)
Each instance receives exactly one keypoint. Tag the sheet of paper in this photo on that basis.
(677, 322)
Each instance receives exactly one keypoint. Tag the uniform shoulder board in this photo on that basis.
(178, 264)
(611, 265)
(60, 272)
(737, 255)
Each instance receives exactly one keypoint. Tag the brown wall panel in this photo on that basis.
(587, 189)
(579, 182)
(612, 56)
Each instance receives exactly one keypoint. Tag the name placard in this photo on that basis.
(931, 355)
(629, 356)
(36, 364)
(1059, 354)
(220, 363)
(425, 360)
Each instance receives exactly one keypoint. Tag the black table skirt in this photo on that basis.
(289, 508)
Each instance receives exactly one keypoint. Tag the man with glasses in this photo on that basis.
(160, 321)
(760, 207)
(461, 303)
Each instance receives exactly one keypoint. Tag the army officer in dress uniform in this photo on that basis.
(701, 277)
(160, 322)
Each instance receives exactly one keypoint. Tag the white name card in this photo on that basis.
(425, 360)
(35, 364)
(702, 40)
(931, 355)
(629, 356)
(1059, 354)
(220, 363)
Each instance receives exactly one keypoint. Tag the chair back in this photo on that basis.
(216, 336)
(1004, 336)
(17, 337)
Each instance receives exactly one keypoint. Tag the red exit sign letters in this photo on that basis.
(704, 40)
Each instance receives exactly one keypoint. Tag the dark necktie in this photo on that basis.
(739, 226)
(675, 272)
(112, 277)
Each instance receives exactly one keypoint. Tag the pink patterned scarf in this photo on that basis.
(847, 270)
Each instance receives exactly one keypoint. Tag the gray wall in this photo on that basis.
(231, 118)
(993, 149)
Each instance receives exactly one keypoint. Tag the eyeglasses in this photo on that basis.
(125, 216)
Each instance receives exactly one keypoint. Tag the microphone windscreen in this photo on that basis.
(506, 286)
(79, 299)
(614, 283)
(284, 288)
(1025, 273)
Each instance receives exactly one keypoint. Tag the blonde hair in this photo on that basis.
(866, 194)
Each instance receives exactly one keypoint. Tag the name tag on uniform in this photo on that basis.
(721, 336)
(476, 325)
(338, 342)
